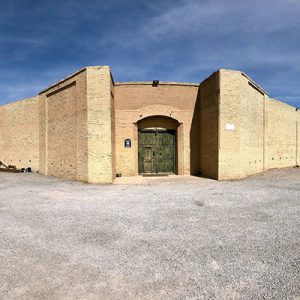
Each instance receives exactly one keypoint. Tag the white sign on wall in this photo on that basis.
(230, 126)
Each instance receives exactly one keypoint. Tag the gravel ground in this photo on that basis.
(172, 238)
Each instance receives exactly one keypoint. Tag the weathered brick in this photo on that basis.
(19, 133)
(227, 127)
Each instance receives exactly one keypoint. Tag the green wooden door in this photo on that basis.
(156, 151)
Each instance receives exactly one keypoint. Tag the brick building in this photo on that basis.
(88, 128)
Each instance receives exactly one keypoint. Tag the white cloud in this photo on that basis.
(223, 16)
(182, 40)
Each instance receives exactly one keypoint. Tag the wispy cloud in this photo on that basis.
(142, 40)
(222, 17)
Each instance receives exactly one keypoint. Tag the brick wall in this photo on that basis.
(298, 139)
(256, 133)
(281, 130)
(100, 124)
(209, 102)
(63, 128)
(75, 122)
(251, 129)
(227, 128)
(136, 101)
(19, 133)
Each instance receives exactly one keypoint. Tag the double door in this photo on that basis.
(157, 151)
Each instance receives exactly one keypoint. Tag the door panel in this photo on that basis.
(147, 146)
(166, 152)
(157, 151)
(148, 161)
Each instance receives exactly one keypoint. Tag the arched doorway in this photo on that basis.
(157, 145)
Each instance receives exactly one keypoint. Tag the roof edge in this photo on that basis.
(284, 103)
(249, 78)
(160, 83)
(255, 84)
(61, 81)
(70, 76)
(27, 99)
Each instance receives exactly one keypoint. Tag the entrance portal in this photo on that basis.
(157, 151)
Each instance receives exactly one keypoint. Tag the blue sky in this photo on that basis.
(43, 41)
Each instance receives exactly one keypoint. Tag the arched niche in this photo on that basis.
(160, 147)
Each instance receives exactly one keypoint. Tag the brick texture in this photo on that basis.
(264, 133)
(208, 98)
(298, 139)
(100, 123)
(137, 101)
(63, 124)
(227, 127)
(75, 121)
(19, 133)
(282, 134)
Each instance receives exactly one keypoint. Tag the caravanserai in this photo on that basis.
(88, 128)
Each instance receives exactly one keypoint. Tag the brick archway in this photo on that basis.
(161, 137)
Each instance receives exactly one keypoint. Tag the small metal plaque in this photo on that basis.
(127, 143)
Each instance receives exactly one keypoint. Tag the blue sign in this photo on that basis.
(127, 143)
